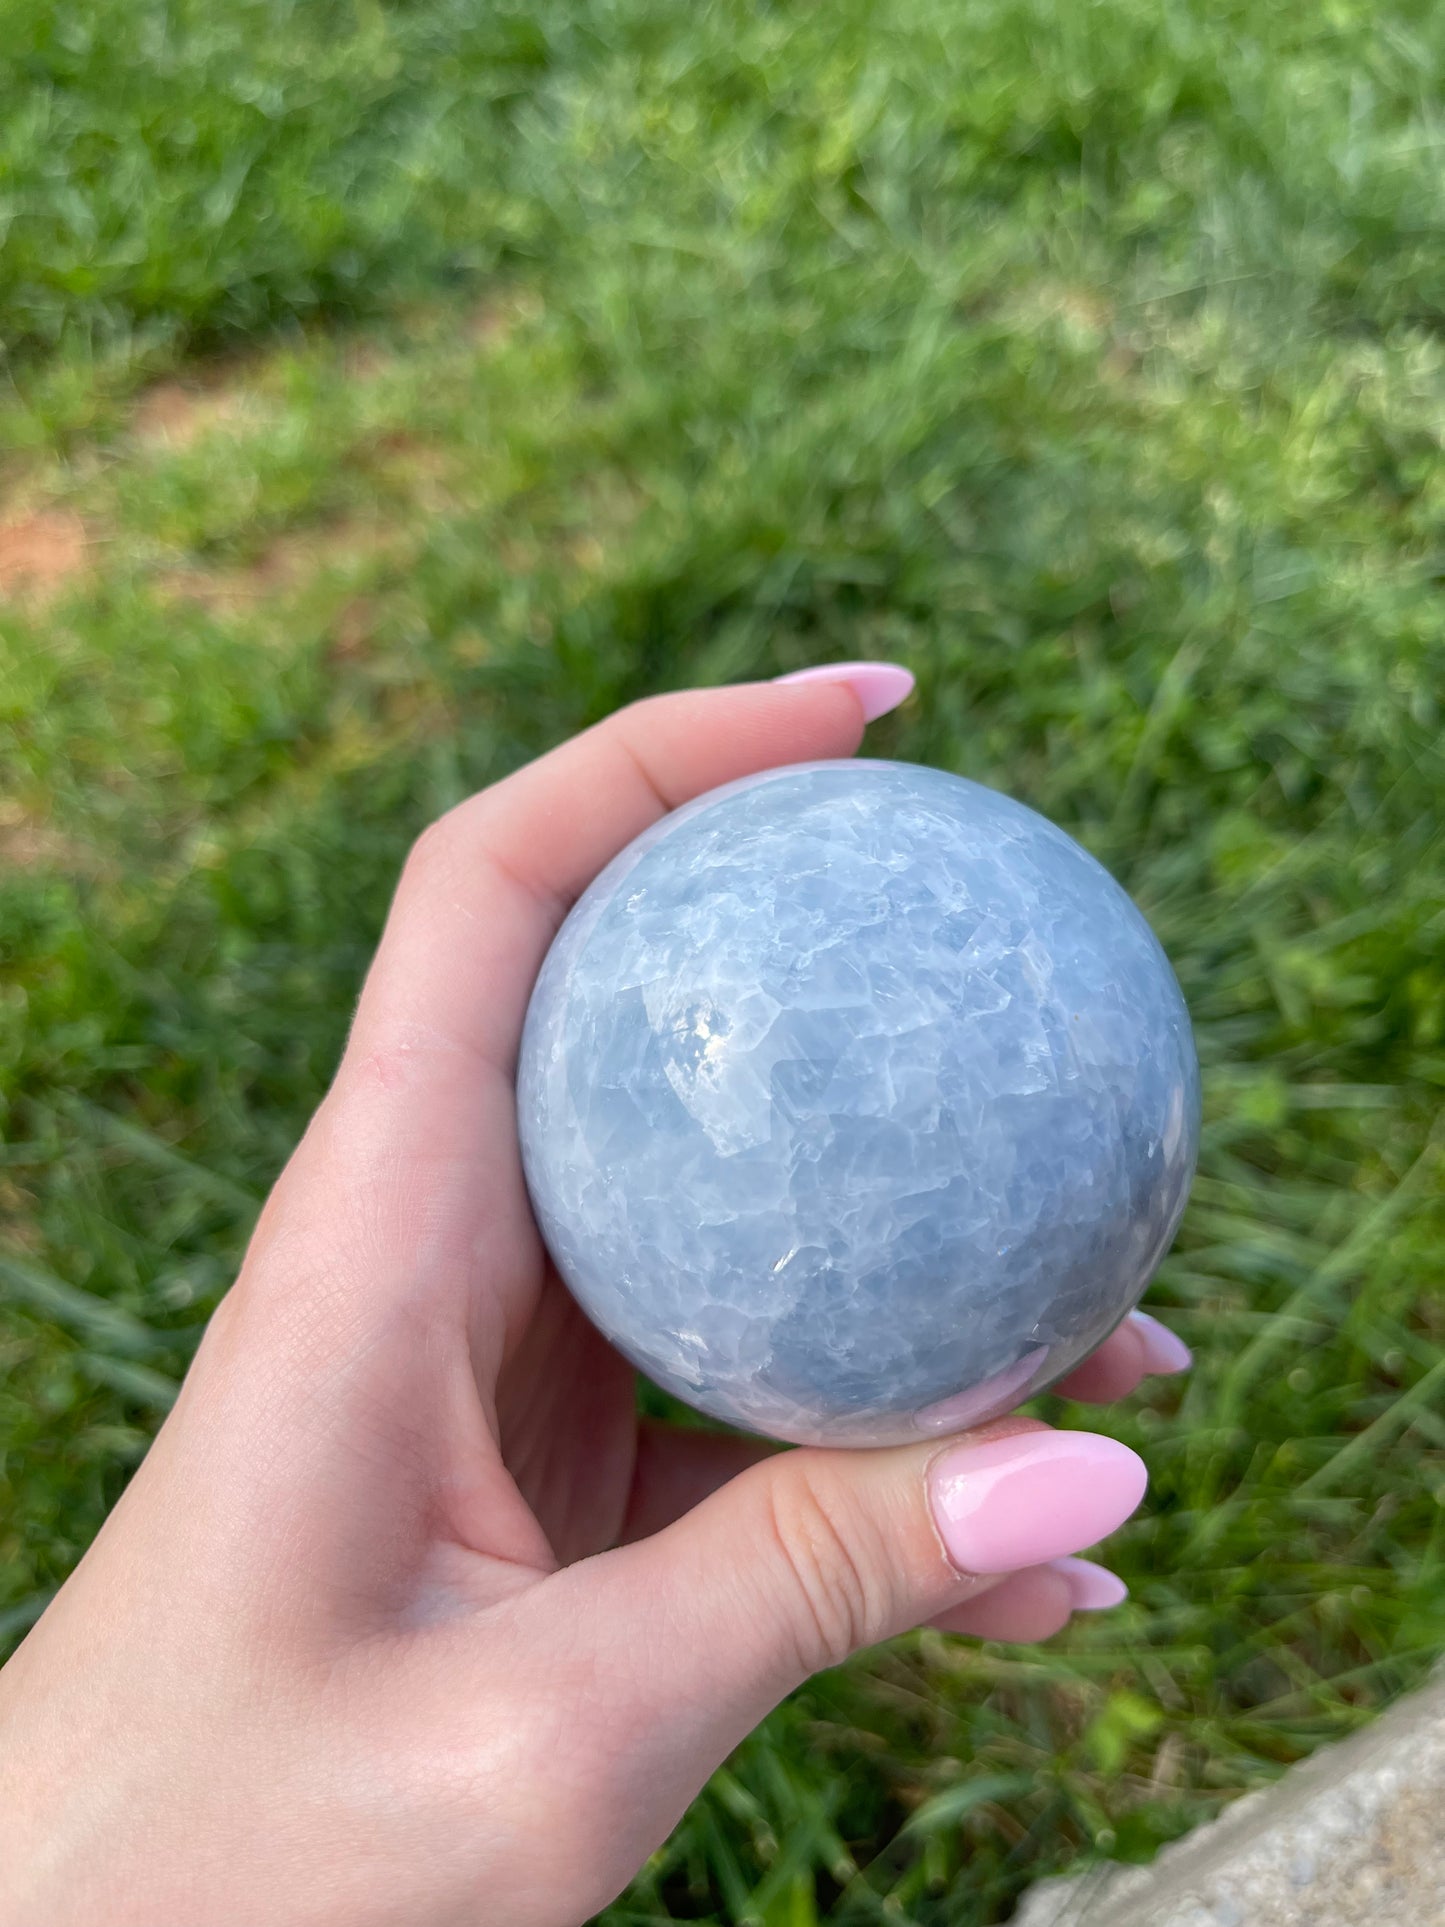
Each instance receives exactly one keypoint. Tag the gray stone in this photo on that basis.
(1353, 1837)
(857, 1101)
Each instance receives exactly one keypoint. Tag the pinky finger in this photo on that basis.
(1036, 1603)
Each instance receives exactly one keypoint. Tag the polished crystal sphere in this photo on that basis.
(857, 1102)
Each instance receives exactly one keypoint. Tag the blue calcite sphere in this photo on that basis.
(857, 1102)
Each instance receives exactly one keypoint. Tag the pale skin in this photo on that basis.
(406, 1619)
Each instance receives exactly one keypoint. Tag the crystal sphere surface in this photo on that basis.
(857, 1102)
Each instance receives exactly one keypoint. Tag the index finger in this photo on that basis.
(488, 884)
(411, 1170)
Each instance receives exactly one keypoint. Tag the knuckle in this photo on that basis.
(824, 1551)
(432, 857)
(638, 711)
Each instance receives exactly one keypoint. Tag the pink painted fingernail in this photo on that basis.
(1163, 1352)
(879, 686)
(1000, 1504)
(1094, 1588)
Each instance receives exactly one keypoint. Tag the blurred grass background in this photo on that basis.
(390, 389)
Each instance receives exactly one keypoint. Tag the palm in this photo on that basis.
(591, 1471)
(567, 1413)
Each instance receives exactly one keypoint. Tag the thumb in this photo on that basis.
(810, 1555)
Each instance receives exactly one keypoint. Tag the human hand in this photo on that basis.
(406, 1618)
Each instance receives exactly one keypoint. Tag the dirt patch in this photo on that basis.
(287, 566)
(419, 469)
(42, 554)
(225, 591)
(174, 414)
(367, 360)
(30, 843)
(352, 630)
(494, 320)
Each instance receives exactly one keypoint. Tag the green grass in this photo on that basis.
(1088, 358)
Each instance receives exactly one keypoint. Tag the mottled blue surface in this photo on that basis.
(857, 1102)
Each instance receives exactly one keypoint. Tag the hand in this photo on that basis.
(406, 1618)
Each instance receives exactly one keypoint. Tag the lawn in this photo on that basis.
(389, 390)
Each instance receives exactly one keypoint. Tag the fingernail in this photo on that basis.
(1163, 1352)
(879, 686)
(1000, 1504)
(1093, 1588)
